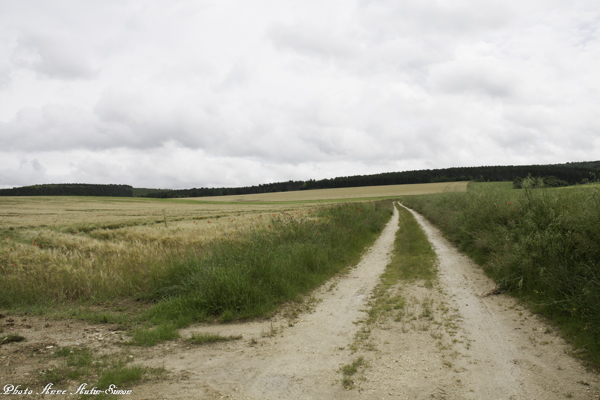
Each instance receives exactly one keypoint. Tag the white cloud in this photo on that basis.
(228, 93)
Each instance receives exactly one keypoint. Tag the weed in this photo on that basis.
(351, 369)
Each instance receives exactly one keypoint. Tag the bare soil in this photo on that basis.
(451, 341)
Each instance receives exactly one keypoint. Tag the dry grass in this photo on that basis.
(66, 248)
(346, 193)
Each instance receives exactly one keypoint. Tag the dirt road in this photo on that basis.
(451, 343)
(446, 342)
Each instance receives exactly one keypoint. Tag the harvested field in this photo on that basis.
(355, 193)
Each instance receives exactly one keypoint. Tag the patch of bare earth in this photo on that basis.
(446, 342)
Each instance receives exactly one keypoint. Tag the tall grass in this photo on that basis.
(248, 277)
(189, 272)
(541, 244)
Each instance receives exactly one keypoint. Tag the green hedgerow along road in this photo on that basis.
(373, 333)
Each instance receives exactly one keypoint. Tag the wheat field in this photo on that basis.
(85, 247)
(357, 193)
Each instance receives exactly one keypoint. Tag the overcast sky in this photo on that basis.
(212, 93)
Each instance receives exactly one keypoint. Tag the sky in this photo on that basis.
(226, 93)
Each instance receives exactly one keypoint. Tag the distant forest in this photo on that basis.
(569, 173)
(70, 189)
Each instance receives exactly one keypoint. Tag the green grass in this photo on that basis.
(251, 277)
(539, 244)
(150, 336)
(413, 256)
(351, 369)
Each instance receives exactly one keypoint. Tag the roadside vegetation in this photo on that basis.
(540, 244)
(251, 276)
(158, 274)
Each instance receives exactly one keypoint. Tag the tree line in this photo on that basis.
(70, 189)
(554, 175)
(571, 173)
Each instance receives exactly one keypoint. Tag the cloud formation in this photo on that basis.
(228, 93)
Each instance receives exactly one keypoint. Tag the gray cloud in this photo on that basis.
(483, 76)
(52, 58)
(311, 41)
(210, 93)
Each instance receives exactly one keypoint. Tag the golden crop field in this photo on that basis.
(346, 193)
(81, 247)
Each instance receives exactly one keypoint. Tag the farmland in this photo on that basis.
(236, 298)
(345, 194)
(101, 244)
(97, 249)
(94, 249)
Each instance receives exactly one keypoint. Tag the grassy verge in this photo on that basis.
(251, 276)
(540, 244)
